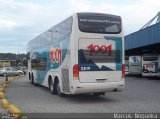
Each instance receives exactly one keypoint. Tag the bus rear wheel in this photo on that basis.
(52, 87)
(99, 94)
(29, 76)
(32, 80)
(59, 91)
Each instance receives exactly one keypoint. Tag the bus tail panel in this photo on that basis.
(150, 67)
(100, 60)
(99, 77)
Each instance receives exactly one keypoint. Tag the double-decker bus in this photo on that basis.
(82, 54)
(150, 65)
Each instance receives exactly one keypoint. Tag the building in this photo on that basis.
(146, 40)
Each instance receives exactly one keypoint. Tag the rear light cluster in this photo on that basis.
(76, 71)
(123, 70)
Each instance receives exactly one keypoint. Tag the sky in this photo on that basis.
(22, 20)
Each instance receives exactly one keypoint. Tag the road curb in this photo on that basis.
(7, 82)
(4, 85)
(5, 103)
(15, 111)
(1, 89)
(2, 96)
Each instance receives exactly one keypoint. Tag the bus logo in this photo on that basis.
(135, 59)
(99, 49)
(149, 66)
(56, 55)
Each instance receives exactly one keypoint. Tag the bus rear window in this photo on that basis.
(150, 58)
(99, 23)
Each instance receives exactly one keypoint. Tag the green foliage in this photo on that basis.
(11, 56)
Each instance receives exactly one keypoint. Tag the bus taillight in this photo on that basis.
(76, 71)
(123, 70)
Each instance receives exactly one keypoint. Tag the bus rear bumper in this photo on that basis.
(149, 74)
(80, 88)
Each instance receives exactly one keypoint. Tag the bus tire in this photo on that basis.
(52, 87)
(99, 94)
(32, 80)
(29, 76)
(59, 91)
(35, 84)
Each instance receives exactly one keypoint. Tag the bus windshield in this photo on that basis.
(150, 58)
(93, 23)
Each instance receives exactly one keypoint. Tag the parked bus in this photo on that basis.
(135, 65)
(159, 66)
(126, 65)
(150, 65)
(82, 54)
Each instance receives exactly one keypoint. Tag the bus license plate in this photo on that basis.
(100, 80)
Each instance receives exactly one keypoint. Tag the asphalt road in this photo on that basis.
(141, 95)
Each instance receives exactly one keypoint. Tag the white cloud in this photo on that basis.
(5, 23)
(138, 14)
(80, 5)
(29, 19)
(5, 1)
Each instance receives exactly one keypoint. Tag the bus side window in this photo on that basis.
(25, 63)
(38, 64)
